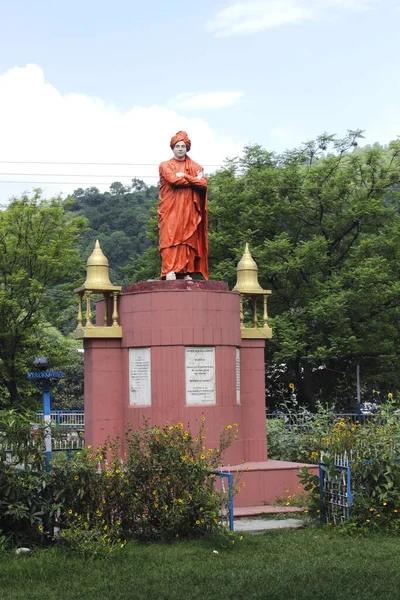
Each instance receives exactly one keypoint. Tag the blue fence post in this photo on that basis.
(321, 475)
(47, 420)
(230, 502)
(349, 492)
(229, 477)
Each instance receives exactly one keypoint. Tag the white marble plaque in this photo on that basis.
(200, 375)
(139, 377)
(237, 375)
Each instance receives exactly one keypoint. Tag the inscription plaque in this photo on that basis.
(200, 375)
(237, 375)
(139, 377)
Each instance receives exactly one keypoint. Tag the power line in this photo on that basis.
(65, 182)
(104, 164)
(71, 175)
(80, 183)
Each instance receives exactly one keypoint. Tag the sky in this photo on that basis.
(105, 85)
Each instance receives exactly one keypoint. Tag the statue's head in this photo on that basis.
(180, 145)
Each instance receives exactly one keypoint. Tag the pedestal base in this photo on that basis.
(267, 481)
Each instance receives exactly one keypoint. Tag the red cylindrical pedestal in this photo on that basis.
(167, 317)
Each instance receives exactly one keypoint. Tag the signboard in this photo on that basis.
(45, 375)
(200, 375)
(139, 377)
(237, 375)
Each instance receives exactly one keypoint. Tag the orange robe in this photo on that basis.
(182, 218)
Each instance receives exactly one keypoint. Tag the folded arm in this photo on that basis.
(198, 181)
(172, 177)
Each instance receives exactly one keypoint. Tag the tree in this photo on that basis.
(118, 219)
(324, 229)
(38, 257)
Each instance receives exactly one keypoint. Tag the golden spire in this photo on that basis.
(97, 277)
(98, 282)
(247, 285)
(247, 275)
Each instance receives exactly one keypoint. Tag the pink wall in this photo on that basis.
(167, 316)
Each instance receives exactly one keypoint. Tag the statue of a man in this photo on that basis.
(182, 214)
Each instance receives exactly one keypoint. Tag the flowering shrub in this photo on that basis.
(373, 450)
(157, 483)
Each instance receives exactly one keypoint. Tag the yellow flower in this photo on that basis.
(70, 512)
(89, 447)
(241, 537)
(368, 521)
(291, 385)
(76, 478)
(203, 418)
(385, 504)
(40, 527)
(197, 522)
(371, 510)
(378, 515)
(202, 456)
(390, 395)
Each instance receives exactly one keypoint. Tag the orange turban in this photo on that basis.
(181, 136)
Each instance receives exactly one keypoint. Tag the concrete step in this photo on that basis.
(260, 525)
(253, 511)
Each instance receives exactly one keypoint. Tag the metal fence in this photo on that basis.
(292, 418)
(335, 489)
(72, 419)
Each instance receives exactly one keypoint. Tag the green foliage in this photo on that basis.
(38, 254)
(323, 223)
(373, 449)
(162, 488)
(118, 219)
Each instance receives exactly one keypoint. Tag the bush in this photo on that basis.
(157, 483)
(373, 451)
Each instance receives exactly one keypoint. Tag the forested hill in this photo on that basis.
(118, 219)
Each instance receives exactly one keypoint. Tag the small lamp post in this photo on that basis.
(44, 379)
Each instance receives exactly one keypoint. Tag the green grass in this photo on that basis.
(309, 564)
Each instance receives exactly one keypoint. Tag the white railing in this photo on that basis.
(74, 419)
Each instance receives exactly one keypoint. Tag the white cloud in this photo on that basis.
(38, 123)
(259, 15)
(207, 101)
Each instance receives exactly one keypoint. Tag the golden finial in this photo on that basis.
(247, 275)
(247, 285)
(98, 282)
(97, 277)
